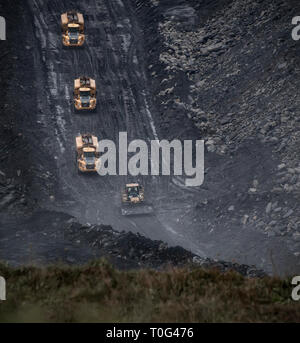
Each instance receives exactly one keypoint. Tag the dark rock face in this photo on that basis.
(129, 250)
(51, 237)
(15, 158)
(231, 67)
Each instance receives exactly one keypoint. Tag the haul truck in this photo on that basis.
(85, 94)
(72, 24)
(87, 156)
(133, 200)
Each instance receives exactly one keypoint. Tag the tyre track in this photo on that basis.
(120, 108)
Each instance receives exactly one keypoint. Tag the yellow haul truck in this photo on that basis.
(87, 156)
(72, 24)
(133, 200)
(85, 94)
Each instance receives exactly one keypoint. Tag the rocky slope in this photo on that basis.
(53, 237)
(16, 154)
(137, 251)
(232, 68)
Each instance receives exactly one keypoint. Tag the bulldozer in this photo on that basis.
(87, 156)
(72, 24)
(85, 94)
(133, 200)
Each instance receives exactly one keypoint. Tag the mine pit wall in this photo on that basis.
(15, 156)
(239, 94)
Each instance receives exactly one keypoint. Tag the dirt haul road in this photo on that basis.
(114, 56)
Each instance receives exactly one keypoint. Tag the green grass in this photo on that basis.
(99, 293)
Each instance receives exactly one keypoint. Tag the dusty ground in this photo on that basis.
(164, 69)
